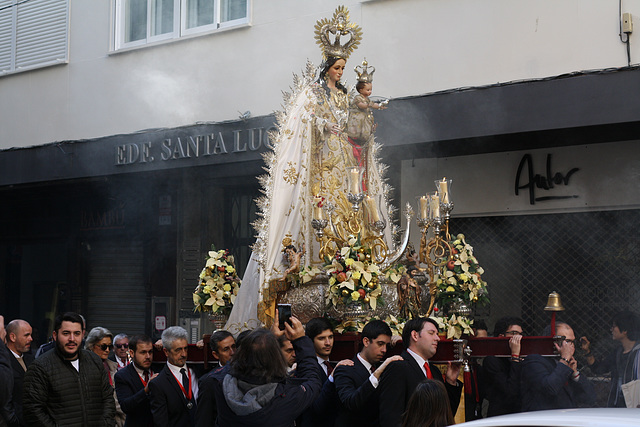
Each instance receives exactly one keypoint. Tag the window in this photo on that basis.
(140, 22)
(33, 34)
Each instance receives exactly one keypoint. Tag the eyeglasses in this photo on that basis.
(122, 346)
(514, 333)
(104, 347)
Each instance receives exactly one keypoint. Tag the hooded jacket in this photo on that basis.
(243, 403)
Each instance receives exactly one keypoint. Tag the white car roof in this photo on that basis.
(582, 417)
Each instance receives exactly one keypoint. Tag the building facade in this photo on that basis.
(132, 132)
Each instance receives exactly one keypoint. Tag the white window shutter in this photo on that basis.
(6, 35)
(41, 33)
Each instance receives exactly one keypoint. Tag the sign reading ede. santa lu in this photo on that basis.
(193, 146)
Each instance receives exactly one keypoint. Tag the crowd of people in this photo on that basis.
(285, 377)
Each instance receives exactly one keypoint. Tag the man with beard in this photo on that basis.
(356, 385)
(400, 379)
(132, 383)
(19, 343)
(68, 386)
(173, 393)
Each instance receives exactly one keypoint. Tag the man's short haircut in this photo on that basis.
(138, 339)
(173, 333)
(120, 337)
(96, 335)
(503, 324)
(374, 329)
(625, 321)
(316, 326)
(14, 326)
(259, 357)
(218, 336)
(481, 324)
(282, 339)
(415, 324)
(69, 316)
(559, 324)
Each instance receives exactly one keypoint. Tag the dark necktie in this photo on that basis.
(372, 369)
(329, 367)
(185, 381)
(428, 369)
(146, 376)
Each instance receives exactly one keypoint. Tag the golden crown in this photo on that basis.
(335, 29)
(365, 72)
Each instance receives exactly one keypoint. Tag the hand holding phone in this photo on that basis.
(284, 315)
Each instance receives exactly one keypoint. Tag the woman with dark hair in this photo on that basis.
(428, 406)
(624, 361)
(254, 389)
(312, 162)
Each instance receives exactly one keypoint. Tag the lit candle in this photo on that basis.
(424, 207)
(373, 209)
(444, 190)
(317, 208)
(435, 206)
(354, 181)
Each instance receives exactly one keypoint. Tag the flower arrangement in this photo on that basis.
(353, 278)
(219, 284)
(356, 325)
(460, 284)
(454, 326)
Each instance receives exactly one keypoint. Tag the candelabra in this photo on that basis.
(334, 226)
(435, 252)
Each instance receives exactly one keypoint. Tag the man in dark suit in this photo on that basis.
(132, 383)
(551, 384)
(19, 343)
(223, 347)
(174, 391)
(322, 412)
(356, 385)
(399, 380)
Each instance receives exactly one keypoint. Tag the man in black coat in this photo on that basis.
(174, 391)
(19, 343)
(67, 385)
(356, 385)
(132, 383)
(551, 384)
(6, 378)
(322, 412)
(399, 380)
(223, 347)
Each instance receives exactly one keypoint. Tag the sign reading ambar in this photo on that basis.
(192, 146)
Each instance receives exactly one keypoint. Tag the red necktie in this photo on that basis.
(428, 369)
(329, 367)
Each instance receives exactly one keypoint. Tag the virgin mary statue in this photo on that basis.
(308, 170)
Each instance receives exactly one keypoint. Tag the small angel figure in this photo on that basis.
(292, 258)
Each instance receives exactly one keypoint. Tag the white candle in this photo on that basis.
(373, 209)
(354, 181)
(424, 207)
(444, 190)
(435, 206)
(317, 208)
